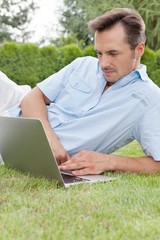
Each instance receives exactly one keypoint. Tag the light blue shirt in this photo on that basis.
(85, 118)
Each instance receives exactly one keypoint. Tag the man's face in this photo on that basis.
(114, 53)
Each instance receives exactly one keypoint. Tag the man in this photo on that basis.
(94, 106)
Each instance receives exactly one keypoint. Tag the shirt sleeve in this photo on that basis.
(54, 84)
(147, 132)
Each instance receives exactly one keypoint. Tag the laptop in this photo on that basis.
(24, 146)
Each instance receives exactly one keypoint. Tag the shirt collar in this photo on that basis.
(138, 74)
(142, 72)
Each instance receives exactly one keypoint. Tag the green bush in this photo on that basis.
(49, 62)
(156, 69)
(68, 53)
(9, 59)
(21, 62)
(89, 51)
(149, 59)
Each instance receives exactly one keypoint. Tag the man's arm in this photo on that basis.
(90, 162)
(34, 106)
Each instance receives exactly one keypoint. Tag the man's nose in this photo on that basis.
(105, 61)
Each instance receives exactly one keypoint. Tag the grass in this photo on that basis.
(127, 208)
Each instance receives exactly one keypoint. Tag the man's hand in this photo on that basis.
(58, 150)
(87, 162)
(90, 162)
(60, 154)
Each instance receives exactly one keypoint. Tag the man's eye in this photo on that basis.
(114, 54)
(99, 54)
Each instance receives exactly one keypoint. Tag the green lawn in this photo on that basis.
(126, 208)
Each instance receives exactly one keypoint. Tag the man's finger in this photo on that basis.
(84, 171)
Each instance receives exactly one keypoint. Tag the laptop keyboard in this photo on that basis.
(72, 179)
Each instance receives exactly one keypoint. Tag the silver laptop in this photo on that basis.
(24, 146)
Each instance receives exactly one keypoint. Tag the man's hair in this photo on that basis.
(130, 19)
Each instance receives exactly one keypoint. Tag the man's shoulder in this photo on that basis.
(148, 92)
(86, 65)
(86, 60)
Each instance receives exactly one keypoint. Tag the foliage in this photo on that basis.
(67, 40)
(149, 59)
(89, 51)
(21, 62)
(150, 11)
(73, 20)
(77, 13)
(156, 69)
(49, 63)
(15, 15)
(68, 53)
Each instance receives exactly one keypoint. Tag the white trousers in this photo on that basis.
(11, 94)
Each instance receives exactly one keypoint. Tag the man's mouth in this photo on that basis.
(108, 71)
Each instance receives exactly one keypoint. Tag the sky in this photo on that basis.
(45, 22)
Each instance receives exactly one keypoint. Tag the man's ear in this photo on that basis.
(140, 49)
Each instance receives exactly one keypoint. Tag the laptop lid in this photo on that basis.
(24, 146)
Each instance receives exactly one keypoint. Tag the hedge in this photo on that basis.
(21, 62)
(48, 61)
(89, 51)
(28, 63)
(68, 53)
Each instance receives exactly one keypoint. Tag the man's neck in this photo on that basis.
(108, 84)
